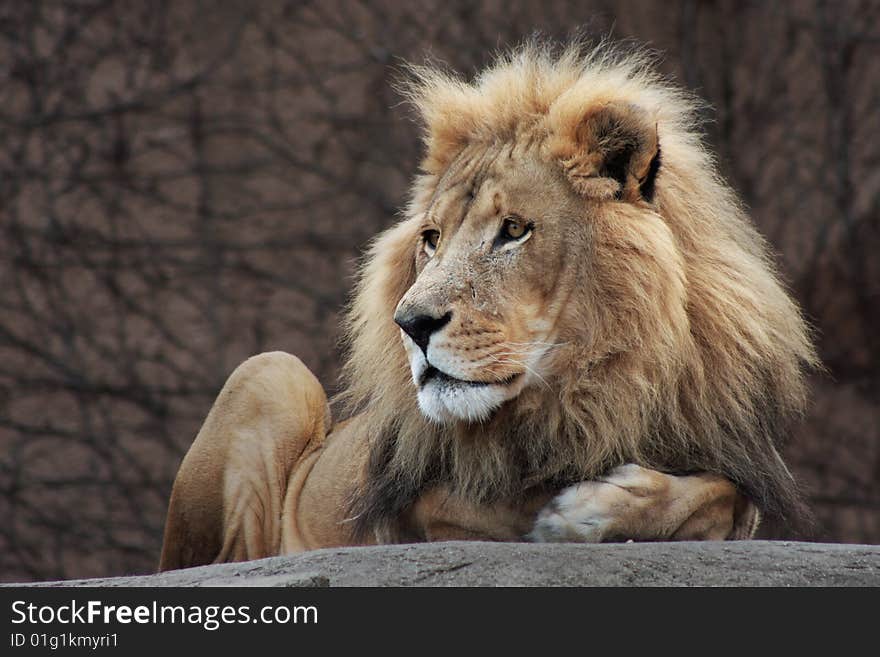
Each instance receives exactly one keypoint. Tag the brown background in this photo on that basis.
(183, 184)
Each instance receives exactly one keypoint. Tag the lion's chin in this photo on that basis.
(447, 401)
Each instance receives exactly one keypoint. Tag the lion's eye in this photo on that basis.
(514, 229)
(431, 239)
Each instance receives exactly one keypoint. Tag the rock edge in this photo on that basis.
(742, 563)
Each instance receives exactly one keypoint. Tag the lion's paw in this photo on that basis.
(612, 508)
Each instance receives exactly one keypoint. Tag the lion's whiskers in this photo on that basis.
(537, 343)
(510, 361)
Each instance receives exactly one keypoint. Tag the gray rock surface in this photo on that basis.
(745, 563)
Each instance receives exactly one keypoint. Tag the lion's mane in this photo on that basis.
(697, 354)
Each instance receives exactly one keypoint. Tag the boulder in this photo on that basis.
(742, 563)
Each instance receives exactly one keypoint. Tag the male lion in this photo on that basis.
(574, 335)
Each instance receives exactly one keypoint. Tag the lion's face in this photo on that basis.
(495, 252)
(575, 288)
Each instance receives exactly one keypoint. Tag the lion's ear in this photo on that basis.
(612, 151)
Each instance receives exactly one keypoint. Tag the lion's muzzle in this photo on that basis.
(420, 326)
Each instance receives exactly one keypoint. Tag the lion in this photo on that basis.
(575, 333)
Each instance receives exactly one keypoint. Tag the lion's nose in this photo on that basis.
(421, 327)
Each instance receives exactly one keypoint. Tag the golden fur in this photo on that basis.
(682, 350)
(623, 365)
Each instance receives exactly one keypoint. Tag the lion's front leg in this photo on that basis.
(636, 503)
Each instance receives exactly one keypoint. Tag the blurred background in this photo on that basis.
(184, 184)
